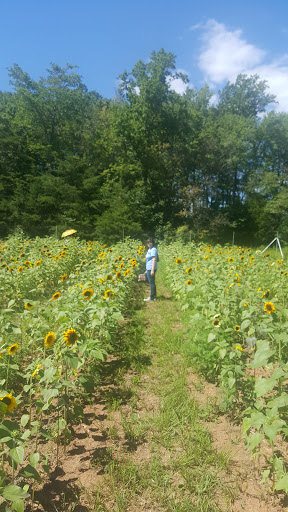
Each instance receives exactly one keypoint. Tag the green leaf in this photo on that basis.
(245, 324)
(18, 506)
(282, 485)
(50, 393)
(272, 430)
(30, 472)
(14, 493)
(211, 337)
(17, 454)
(24, 420)
(231, 382)
(254, 440)
(34, 459)
(262, 356)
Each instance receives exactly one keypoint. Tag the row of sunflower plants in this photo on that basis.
(236, 300)
(61, 303)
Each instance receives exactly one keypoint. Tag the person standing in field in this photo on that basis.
(151, 267)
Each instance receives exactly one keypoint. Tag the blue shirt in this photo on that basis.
(151, 253)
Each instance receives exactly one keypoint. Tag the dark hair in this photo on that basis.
(150, 240)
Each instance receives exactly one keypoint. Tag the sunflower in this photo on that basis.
(267, 255)
(230, 260)
(87, 294)
(109, 294)
(64, 277)
(216, 322)
(109, 277)
(179, 261)
(238, 347)
(10, 401)
(269, 307)
(118, 275)
(36, 370)
(237, 328)
(189, 281)
(188, 270)
(70, 337)
(127, 272)
(13, 349)
(49, 339)
(265, 295)
(20, 269)
(38, 263)
(56, 295)
(28, 305)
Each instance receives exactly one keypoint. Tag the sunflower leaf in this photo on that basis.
(14, 493)
(17, 454)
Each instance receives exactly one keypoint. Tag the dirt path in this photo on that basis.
(152, 439)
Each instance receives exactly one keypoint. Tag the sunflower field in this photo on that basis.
(61, 303)
(236, 303)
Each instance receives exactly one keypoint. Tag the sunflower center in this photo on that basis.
(7, 400)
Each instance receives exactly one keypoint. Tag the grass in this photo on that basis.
(169, 463)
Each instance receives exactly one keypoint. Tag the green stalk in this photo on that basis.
(7, 375)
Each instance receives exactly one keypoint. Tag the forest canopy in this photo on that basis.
(149, 161)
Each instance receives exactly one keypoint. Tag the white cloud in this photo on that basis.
(177, 84)
(226, 53)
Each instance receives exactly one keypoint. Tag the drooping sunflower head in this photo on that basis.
(49, 339)
(36, 370)
(87, 294)
(28, 305)
(64, 277)
(13, 349)
(70, 337)
(265, 295)
(56, 295)
(9, 401)
(269, 307)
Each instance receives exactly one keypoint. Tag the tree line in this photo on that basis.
(149, 161)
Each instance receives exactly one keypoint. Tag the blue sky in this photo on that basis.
(213, 41)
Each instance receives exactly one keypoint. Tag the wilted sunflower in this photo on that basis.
(109, 294)
(269, 307)
(56, 295)
(13, 349)
(70, 337)
(28, 305)
(189, 281)
(237, 328)
(36, 370)
(64, 277)
(10, 401)
(216, 322)
(265, 295)
(49, 339)
(188, 270)
(87, 294)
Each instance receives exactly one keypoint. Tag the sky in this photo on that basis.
(213, 41)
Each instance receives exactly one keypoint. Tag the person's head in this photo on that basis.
(150, 242)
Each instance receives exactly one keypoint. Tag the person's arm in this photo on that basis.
(153, 265)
